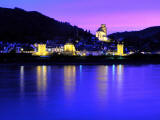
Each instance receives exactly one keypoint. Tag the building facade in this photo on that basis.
(41, 50)
(101, 33)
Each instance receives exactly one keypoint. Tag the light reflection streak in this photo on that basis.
(42, 79)
(22, 79)
(113, 72)
(117, 72)
(102, 82)
(69, 80)
(120, 70)
(80, 69)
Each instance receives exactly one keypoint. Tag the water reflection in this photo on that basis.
(105, 92)
(113, 72)
(120, 70)
(69, 80)
(80, 68)
(117, 73)
(21, 80)
(42, 79)
(102, 81)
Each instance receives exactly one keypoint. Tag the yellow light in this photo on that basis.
(69, 48)
(41, 79)
(102, 83)
(41, 50)
(69, 80)
(84, 54)
(102, 34)
(120, 50)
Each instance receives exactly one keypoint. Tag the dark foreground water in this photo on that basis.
(116, 92)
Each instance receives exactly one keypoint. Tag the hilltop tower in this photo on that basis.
(104, 29)
(101, 33)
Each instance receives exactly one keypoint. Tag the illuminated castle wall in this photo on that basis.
(69, 48)
(120, 50)
(42, 51)
(101, 33)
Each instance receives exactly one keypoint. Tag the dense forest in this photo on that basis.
(18, 25)
(144, 40)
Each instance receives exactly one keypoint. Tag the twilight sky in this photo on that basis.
(118, 15)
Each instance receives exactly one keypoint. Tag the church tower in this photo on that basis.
(101, 33)
(104, 29)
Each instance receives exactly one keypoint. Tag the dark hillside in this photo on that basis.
(18, 25)
(144, 40)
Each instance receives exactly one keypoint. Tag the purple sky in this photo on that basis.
(118, 15)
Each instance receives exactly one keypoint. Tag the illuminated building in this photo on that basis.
(69, 48)
(42, 51)
(55, 49)
(101, 33)
(120, 50)
(27, 50)
(81, 53)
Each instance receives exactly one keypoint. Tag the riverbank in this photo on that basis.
(29, 59)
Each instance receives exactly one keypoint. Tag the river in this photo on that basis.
(80, 92)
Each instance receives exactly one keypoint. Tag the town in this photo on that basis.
(104, 46)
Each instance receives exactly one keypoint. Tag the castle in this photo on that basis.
(101, 33)
(41, 50)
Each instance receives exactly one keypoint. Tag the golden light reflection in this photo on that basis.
(102, 82)
(120, 70)
(41, 79)
(117, 73)
(69, 80)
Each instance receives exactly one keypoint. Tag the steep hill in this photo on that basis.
(144, 40)
(18, 25)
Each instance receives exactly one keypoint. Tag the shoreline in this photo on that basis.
(19, 59)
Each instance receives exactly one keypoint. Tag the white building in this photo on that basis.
(101, 33)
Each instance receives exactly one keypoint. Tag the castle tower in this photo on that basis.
(101, 33)
(69, 48)
(104, 29)
(120, 49)
(42, 51)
